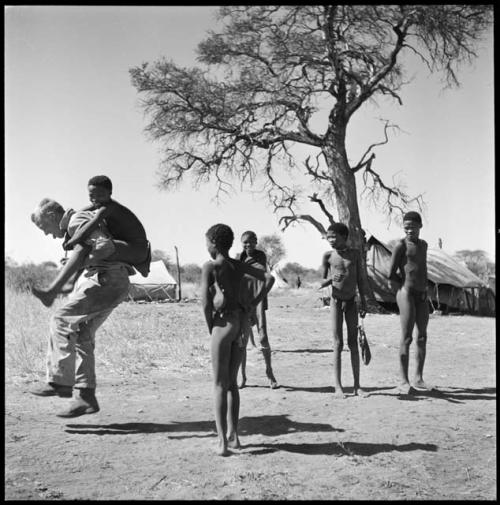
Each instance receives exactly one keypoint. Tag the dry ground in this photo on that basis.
(154, 436)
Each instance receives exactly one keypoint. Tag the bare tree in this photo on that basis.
(274, 248)
(269, 70)
(477, 261)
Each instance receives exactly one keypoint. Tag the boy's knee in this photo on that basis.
(221, 384)
(233, 386)
(406, 338)
(421, 339)
(338, 345)
(263, 341)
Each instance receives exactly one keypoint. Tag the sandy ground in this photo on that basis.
(154, 437)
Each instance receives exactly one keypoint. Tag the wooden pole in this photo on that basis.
(178, 274)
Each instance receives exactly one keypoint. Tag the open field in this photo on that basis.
(155, 434)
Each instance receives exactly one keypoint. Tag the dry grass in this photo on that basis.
(26, 325)
(136, 338)
(190, 291)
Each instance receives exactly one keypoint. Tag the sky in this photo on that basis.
(71, 112)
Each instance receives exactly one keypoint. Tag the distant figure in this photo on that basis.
(257, 259)
(343, 265)
(440, 243)
(129, 243)
(228, 300)
(408, 278)
(299, 282)
(103, 286)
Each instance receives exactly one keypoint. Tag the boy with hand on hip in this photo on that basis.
(408, 278)
(343, 265)
(256, 258)
(227, 301)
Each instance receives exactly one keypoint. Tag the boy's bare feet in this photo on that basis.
(222, 448)
(273, 384)
(45, 296)
(421, 385)
(404, 388)
(233, 441)
(339, 394)
(360, 392)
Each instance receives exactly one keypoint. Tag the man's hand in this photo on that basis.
(68, 245)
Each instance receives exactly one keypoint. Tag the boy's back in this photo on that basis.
(237, 286)
(123, 224)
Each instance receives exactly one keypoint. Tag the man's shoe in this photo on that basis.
(84, 402)
(52, 389)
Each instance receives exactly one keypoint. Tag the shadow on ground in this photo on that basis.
(272, 425)
(331, 389)
(303, 350)
(450, 394)
(340, 449)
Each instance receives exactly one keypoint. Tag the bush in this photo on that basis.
(307, 275)
(190, 273)
(21, 278)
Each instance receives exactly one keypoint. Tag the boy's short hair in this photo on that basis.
(413, 216)
(45, 208)
(249, 234)
(102, 181)
(221, 235)
(339, 228)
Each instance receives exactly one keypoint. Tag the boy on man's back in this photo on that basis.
(126, 238)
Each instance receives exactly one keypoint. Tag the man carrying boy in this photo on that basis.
(408, 278)
(102, 287)
(344, 266)
(129, 243)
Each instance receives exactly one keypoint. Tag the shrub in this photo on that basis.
(21, 278)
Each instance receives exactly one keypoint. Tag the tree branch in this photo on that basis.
(364, 162)
(288, 220)
(316, 199)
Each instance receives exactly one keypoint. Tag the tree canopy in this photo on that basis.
(274, 248)
(268, 70)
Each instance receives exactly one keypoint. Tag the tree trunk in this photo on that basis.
(344, 185)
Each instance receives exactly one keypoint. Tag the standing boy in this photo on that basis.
(408, 278)
(257, 258)
(227, 301)
(343, 264)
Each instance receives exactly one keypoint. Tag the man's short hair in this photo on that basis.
(102, 181)
(221, 235)
(339, 228)
(45, 208)
(413, 216)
